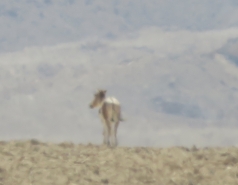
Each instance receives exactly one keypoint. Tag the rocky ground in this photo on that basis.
(33, 162)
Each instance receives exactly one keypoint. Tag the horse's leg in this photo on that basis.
(113, 134)
(106, 133)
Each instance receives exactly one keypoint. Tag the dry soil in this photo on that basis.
(37, 163)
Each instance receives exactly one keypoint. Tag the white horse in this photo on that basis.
(110, 114)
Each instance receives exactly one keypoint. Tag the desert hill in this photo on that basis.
(35, 162)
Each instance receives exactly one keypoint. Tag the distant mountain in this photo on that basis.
(176, 88)
(229, 50)
(49, 22)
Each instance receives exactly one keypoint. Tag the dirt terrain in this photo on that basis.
(37, 163)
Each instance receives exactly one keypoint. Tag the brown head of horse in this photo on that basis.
(110, 114)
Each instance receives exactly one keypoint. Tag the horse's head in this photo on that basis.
(98, 99)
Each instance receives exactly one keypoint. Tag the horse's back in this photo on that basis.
(111, 109)
(112, 100)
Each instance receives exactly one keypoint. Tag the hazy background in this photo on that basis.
(172, 65)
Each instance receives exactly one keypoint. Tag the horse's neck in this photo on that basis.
(101, 104)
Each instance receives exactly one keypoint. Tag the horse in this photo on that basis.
(110, 114)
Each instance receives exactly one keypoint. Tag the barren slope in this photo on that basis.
(33, 162)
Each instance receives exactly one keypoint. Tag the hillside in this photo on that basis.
(34, 162)
(39, 23)
(175, 87)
